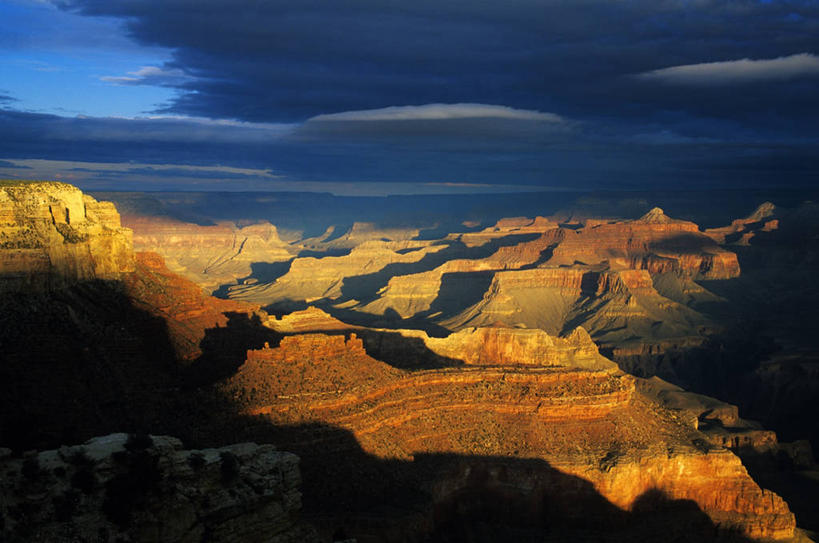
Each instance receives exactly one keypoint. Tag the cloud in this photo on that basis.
(737, 71)
(151, 75)
(5, 98)
(444, 126)
(279, 61)
(157, 129)
(13, 165)
(438, 112)
(141, 177)
(173, 153)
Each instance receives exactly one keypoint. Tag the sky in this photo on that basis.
(397, 97)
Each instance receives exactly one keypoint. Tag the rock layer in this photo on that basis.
(210, 255)
(52, 235)
(741, 231)
(616, 307)
(583, 422)
(655, 242)
(310, 278)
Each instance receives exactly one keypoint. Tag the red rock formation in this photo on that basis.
(719, 421)
(586, 423)
(512, 346)
(655, 242)
(180, 302)
(311, 319)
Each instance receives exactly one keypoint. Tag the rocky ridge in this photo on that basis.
(148, 488)
(585, 421)
(654, 242)
(180, 303)
(741, 231)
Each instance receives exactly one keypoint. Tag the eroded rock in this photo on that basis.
(148, 488)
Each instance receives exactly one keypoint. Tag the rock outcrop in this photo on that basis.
(311, 319)
(52, 235)
(499, 346)
(741, 231)
(148, 488)
(551, 399)
(180, 303)
(654, 242)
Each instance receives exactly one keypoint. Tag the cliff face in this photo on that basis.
(655, 242)
(83, 357)
(409, 295)
(741, 231)
(311, 279)
(210, 255)
(148, 488)
(550, 399)
(616, 307)
(513, 346)
(52, 235)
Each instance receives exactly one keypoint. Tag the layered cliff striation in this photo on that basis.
(654, 242)
(618, 308)
(53, 235)
(518, 395)
(211, 255)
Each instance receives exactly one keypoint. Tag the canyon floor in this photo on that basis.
(601, 369)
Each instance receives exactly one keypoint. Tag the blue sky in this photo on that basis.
(53, 62)
(376, 96)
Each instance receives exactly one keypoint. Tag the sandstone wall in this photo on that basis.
(53, 235)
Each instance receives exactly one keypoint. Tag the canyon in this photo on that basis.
(469, 387)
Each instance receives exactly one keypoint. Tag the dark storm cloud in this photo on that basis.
(581, 94)
(285, 61)
(537, 150)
